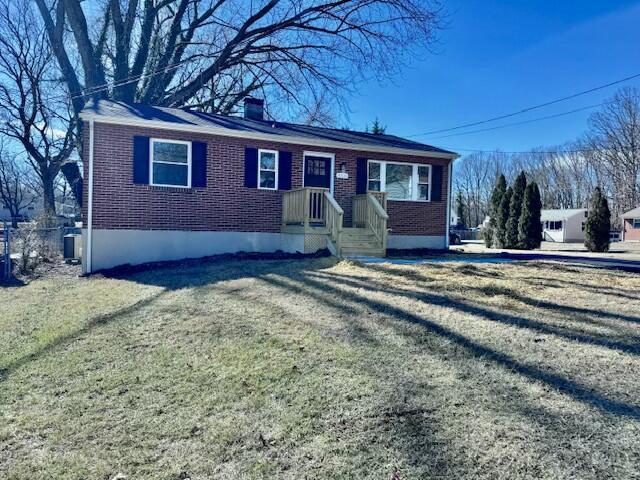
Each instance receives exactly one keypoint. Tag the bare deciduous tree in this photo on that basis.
(614, 142)
(168, 52)
(565, 175)
(16, 189)
(210, 54)
(34, 112)
(475, 175)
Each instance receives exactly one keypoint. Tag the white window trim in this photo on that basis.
(332, 156)
(152, 161)
(633, 223)
(277, 162)
(414, 179)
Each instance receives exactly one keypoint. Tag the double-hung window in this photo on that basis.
(375, 177)
(268, 169)
(553, 225)
(401, 181)
(424, 182)
(636, 223)
(170, 162)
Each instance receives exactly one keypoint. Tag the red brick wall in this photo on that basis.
(225, 204)
(630, 233)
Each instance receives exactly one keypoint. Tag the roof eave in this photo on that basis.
(88, 116)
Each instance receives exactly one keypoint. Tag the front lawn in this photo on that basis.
(317, 369)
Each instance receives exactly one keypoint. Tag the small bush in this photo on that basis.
(27, 244)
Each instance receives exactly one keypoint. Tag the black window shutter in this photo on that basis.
(361, 176)
(284, 171)
(198, 164)
(436, 180)
(141, 160)
(251, 167)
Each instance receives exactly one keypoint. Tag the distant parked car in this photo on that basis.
(615, 237)
(454, 239)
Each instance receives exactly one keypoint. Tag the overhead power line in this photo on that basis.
(524, 122)
(528, 152)
(88, 91)
(528, 109)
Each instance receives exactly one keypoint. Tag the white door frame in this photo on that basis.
(332, 156)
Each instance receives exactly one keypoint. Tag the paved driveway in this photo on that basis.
(623, 256)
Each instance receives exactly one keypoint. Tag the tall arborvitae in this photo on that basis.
(598, 224)
(503, 218)
(529, 226)
(494, 206)
(515, 209)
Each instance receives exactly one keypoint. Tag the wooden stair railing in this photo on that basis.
(369, 213)
(333, 221)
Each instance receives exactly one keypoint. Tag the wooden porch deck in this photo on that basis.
(314, 211)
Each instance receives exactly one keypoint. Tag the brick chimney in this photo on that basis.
(253, 108)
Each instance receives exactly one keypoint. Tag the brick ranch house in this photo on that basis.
(168, 184)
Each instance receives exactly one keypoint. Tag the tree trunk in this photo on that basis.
(71, 172)
(48, 196)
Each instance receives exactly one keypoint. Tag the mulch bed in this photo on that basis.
(124, 270)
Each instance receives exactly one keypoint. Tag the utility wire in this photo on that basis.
(88, 91)
(528, 152)
(528, 109)
(524, 122)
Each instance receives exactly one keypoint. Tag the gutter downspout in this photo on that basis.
(449, 170)
(89, 249)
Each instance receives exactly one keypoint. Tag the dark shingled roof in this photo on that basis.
(185, 117)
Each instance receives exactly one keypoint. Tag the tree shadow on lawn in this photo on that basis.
(171, 278)
(62, 340)
(392, 420)
(575, 313)
(354, 330)
(493, 290)
(554, 418)
(558, 382)
(600, 289)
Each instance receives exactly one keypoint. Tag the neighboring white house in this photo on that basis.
(563, 225)
(29, 212)
(65, 207)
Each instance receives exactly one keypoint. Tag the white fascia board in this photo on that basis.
(225, 132)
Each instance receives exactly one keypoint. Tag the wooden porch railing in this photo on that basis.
(314, 207)
(304, 206)
(368, 212)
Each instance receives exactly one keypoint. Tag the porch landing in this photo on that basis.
(314, 213)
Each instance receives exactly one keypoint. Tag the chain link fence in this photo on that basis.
(5, 260)
(28, 246)
(468, 234)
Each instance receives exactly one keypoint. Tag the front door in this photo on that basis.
(317, 171)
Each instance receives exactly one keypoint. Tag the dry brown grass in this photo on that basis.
(311, 369)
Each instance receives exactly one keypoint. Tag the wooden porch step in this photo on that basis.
(358, 234)
(360, 252)
(360, 242)
(371, 240)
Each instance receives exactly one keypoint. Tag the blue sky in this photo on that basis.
(498, 56)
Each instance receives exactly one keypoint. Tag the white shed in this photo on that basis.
(563, 225)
